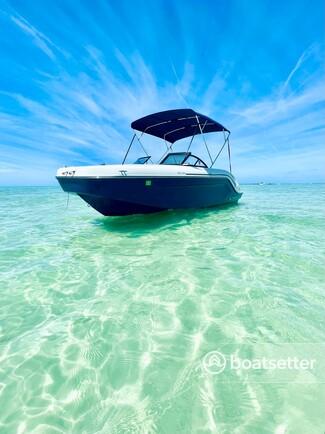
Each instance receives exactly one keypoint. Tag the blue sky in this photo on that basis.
(74, 74)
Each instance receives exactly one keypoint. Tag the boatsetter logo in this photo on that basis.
(279, 364)
(214, 362)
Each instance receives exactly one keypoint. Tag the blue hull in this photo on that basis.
(126, 195)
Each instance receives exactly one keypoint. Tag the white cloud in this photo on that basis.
(42, 41)
(85, 117)
(304, 56)
(87, 114)
(277, 108)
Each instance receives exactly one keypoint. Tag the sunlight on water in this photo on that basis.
(104, 322)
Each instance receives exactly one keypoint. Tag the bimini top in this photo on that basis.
(173, 125)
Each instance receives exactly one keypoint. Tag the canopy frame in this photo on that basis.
(201, 127)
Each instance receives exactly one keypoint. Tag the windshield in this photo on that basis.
(175, 158)
(183, 158)
(142, 160)
(192, 160)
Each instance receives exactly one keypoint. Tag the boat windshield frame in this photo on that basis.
(142, 160)
(186, 156)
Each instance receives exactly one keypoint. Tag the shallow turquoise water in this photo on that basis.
(105, 322)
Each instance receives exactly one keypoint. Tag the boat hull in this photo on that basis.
(125, 195)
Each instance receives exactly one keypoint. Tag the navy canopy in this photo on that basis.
(173, 125)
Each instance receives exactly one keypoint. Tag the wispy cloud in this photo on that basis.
(304, 56)
(40, 40)
(182, 86)
(276, 108)
(281, 136)
(77, 108)
(83, 118)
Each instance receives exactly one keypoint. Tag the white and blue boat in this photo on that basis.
(180, 180)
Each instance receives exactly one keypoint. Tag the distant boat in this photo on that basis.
(179, 180)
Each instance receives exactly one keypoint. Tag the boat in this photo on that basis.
(179, 180)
